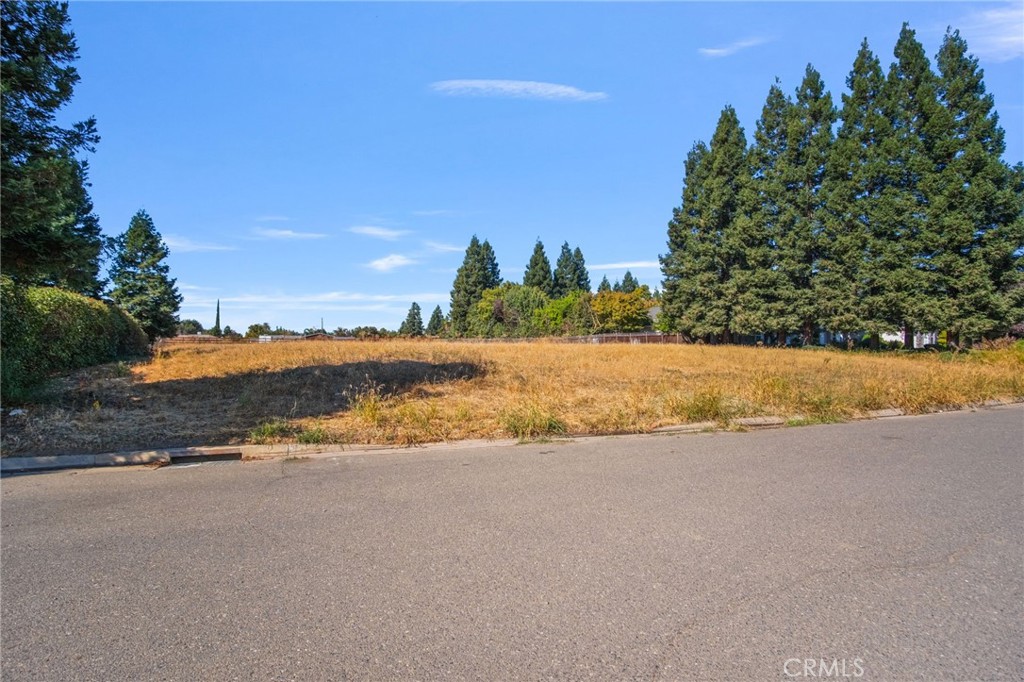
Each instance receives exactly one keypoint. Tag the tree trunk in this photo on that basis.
(908, 337)
(873, 342)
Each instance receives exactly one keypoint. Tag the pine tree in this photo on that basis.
(976, 205)
(901, 227)
(582, 276)
(629, 283)
(570, 272)
(478, 273)
(50, 234)
(846, 289)
(140, 279)
(604, 285)
(761, 292)
(810, 139)
(538, 271)
(436, 324)
(413, 324)
(703, 242)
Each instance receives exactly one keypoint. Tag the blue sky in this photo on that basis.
(332, 160)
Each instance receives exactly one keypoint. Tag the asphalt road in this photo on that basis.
(891, 549)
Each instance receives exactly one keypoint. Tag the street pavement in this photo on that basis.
(889, 549)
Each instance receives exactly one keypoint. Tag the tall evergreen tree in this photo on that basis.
(604, 286)
(582, 276)
(976, 206)
(413, 324)
(538, 271)
(848, 295)
(762, 294)
(140, 279)
(436, 324)
(901, 227)
(215, 330)
(703, 236)
(629, 283)
(50, 234)
(478, 273)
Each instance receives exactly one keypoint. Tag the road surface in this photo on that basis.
(891, 549)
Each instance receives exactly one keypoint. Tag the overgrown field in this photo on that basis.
(405, 392)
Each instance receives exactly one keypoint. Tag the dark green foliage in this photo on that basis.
(478, 273)
(604, 285)
(629, 283)
(568, 316)
(50, 235)
(435, 327)
(538, 271)
(570, 272)
(704, 244)
(190, 327)
(413, 324)
(215, 330)
(46, 330)
(141, 284)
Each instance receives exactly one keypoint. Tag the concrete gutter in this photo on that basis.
(248, 453)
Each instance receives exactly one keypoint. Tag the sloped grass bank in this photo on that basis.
(405, 392)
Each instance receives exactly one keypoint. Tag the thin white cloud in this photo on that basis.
(390, 262)
(515, 89)
(440, 247)
(186, 245)
(729, 50)
(996, 34)
(267, 233)
(384, 233)
(631, 265)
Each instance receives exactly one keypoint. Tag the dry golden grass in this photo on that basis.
(404, 392)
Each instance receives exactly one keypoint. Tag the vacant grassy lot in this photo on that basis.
(415, 392)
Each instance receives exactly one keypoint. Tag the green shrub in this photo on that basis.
(46, 330)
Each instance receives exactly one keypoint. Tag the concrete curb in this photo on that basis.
(255, 453)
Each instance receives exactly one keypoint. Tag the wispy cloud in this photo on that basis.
(516, 89)
(186, 245)
(630, 265)
(267, 233)
(390, 262)
(439, 247)
(731, 49)
(995, 34)
(385, 233)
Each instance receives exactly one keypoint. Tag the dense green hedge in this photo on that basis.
(44, 330)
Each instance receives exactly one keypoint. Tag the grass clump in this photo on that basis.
(531, 420)
(270, 432)
(703, 405)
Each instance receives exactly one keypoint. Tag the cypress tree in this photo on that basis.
(436, 324)
(977, 205)
(141, 282)
(215, 330)
(478, 272)
(538, 271)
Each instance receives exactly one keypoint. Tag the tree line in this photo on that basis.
(892, 212)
